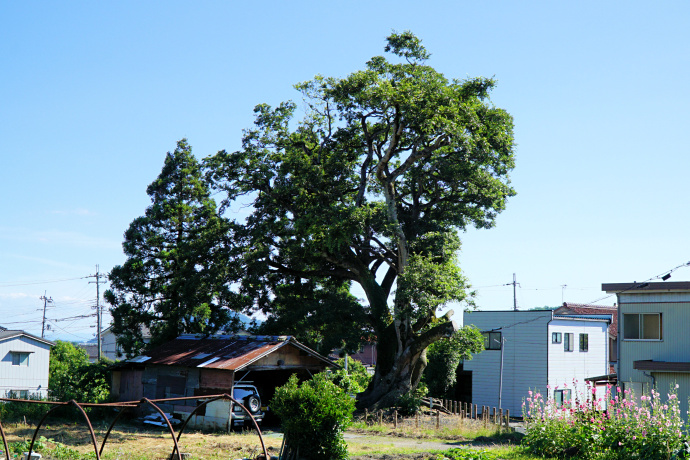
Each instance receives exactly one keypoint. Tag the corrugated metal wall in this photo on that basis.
(32, 378)
(673, 346)
(524, 360)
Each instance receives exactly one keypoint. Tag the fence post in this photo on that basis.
(493, 415)
(395, 419)
(366, 416)
(507, 418)
(485, 415)
(438, 419)
(500, 423)
(381, 417)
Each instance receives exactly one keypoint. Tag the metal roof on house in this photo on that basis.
(587, 309)
(606, 318)
(227, 352)
(631, 288)
(9, 334)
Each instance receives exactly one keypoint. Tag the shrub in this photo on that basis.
(651, 429)
(18, 411)
(410, 403)
(354, 380)
(314, 416)
(73, 377)
(466, 454)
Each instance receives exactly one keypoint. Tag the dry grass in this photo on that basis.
(450, 428)
(134, 442)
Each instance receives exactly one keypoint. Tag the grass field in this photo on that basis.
(133, 441)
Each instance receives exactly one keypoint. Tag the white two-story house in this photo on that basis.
(535, 350)
(24, 364)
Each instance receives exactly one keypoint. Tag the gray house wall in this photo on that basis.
(524, 357)
(674, 345)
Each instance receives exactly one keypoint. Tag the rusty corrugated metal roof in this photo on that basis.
(220, 351)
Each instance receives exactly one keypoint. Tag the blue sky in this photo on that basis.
(92, 95)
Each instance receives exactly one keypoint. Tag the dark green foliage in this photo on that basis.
(18, 411)
(466, 454)
(354, 380)
(410, 403)
(444, 357)
(314, 415)
(370, 187)
(322, 316)
(73, 377)
(175, 278)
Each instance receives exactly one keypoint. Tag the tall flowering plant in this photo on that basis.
(614, 426)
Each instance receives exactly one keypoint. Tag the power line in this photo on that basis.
(2, 285)
(663, 276)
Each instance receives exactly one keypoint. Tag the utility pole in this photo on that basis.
(98, 283)
(514, 283)
(500, 382)
(45, 307)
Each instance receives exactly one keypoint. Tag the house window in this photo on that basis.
(642, 326)
(562, 397)
(492, 340)
(556, 337)
(20, 358)
(584, 342)
(568, 341)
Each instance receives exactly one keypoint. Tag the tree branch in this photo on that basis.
(440, 141)
(339, 273)
(442, 330)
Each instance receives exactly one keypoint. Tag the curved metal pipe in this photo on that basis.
(110, 428)
(226, 396)
(4, 442)
(172, 432)
(86, 417)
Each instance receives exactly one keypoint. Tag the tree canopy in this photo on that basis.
(175, 279)
(73, 377)
(445, 355)
(370, 187)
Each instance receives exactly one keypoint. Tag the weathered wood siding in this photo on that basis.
(524, 360)
(287, 357)
(32, 378)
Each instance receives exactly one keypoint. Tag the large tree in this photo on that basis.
(370, 188)
(175, 277)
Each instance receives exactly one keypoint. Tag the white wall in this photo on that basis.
(108, 345)
(34, 377)
(572, 368)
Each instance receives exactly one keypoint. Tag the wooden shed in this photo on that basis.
(195, 365)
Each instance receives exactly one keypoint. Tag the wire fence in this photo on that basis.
(442, 414)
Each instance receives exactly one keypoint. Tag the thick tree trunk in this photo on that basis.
(401, 361)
